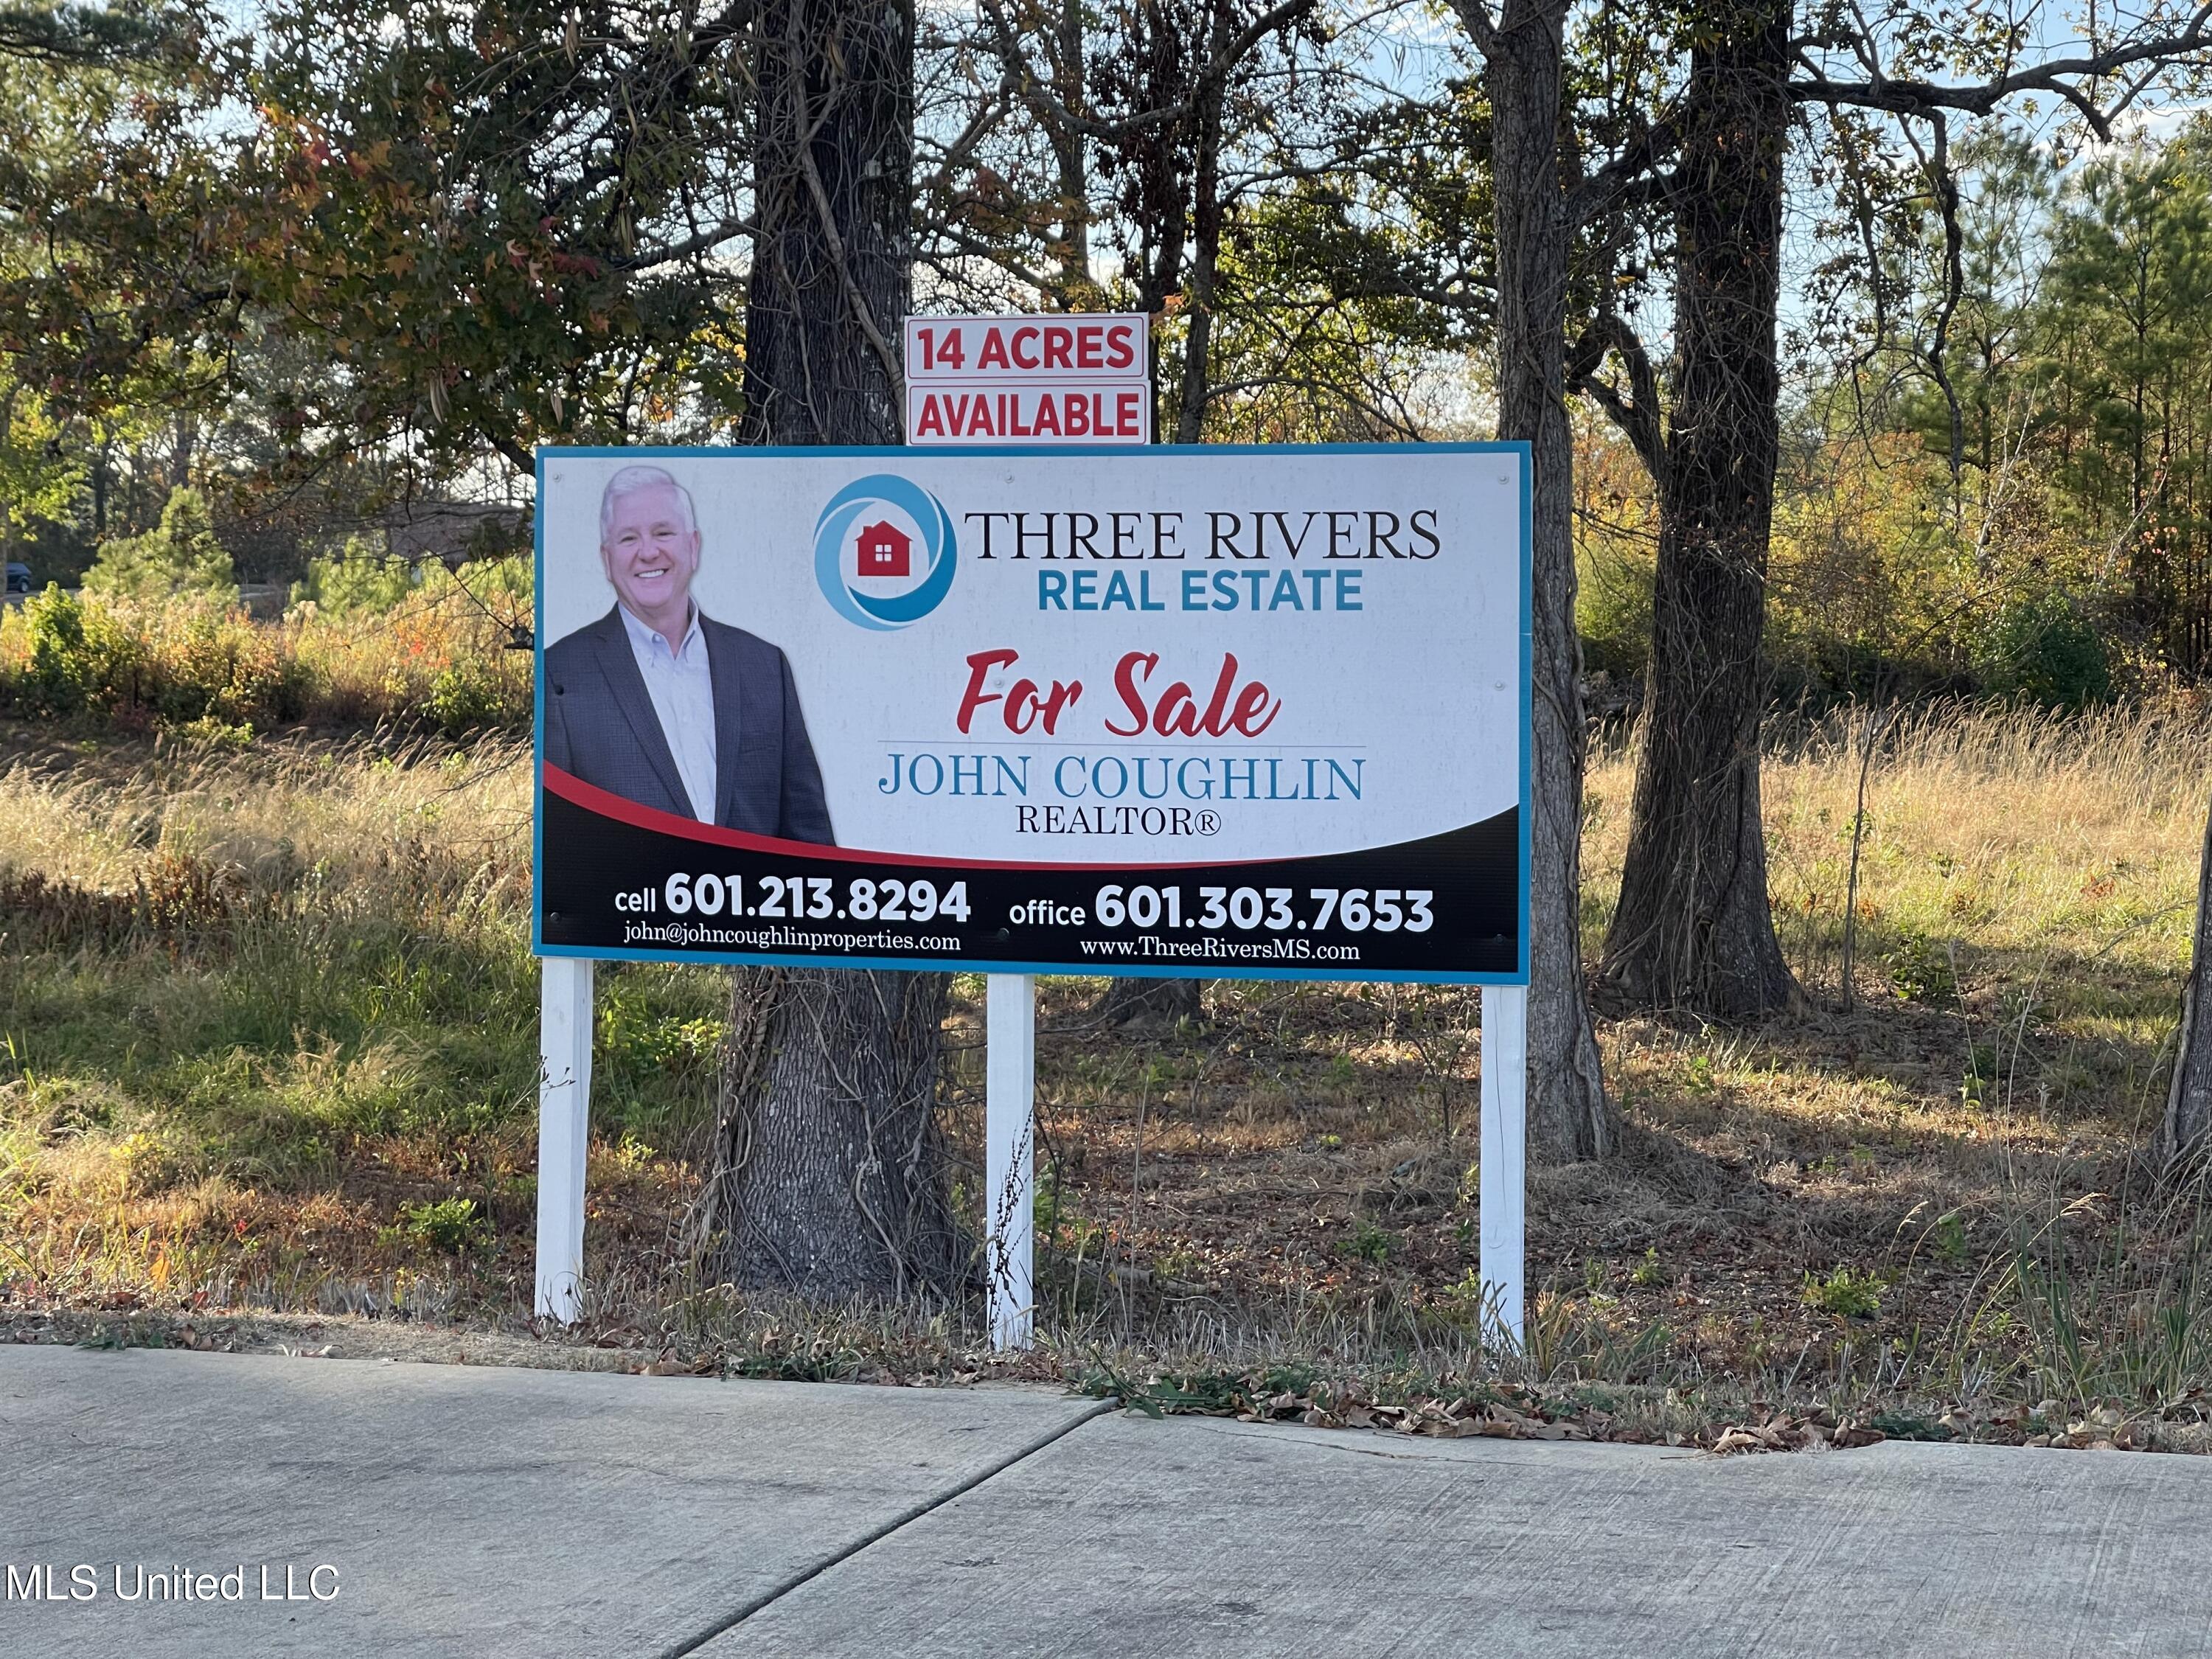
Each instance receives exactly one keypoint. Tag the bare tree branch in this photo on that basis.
(2057, 76)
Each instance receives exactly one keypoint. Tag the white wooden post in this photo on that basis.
(1505, 1153)
(564, 1121)
(1009, 1101)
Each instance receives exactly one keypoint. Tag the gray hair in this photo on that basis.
(632, 479)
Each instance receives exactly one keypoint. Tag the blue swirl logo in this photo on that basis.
(834, 535)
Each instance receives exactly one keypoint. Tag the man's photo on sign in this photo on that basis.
(666, 706)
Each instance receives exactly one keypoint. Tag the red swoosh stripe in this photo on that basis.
(574, 790)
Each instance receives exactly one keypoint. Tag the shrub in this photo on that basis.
(68, 667)
(2043, 650)
(1920, 969)
(203, 661)
(60, 656)
(471, 693)
(1368, 1243)
(1845, 1293)
(450, 1226)
(444, 657)
(182, 557)
(360, 577)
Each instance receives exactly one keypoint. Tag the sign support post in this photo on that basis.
(1504, 1177)
(1009, 1128)
(564, 1121)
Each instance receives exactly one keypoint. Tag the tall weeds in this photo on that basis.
(443, 658)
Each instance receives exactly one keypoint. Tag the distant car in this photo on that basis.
(18, 582)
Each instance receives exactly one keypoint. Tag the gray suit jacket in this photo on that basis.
(600, 726)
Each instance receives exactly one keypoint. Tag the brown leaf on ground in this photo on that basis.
(1786, 1433)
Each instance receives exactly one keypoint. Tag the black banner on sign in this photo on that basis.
(618, 881)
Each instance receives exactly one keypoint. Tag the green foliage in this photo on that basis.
(39, 472)
(182, 557)
(73, 655)
(1949, 1237)
(1616, 554)
(1845, 1293)
(472, 693)
(503, 584)
(634, 1031)
(359, 577)
(1368, 1243)
(2030, 514)
(444, 659)
(1612, 611)
(450, 1226)
(1920, 969)
(2042, 649)
(1981, 1071)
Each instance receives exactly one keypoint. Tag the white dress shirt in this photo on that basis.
(682, 688)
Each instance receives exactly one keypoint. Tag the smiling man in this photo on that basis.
(663, 705)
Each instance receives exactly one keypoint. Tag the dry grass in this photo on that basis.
(262, 1010)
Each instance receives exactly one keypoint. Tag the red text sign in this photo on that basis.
(1078, 378)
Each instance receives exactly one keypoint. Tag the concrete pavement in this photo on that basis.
(480, 1512)
(468, 1510)
(1206, 1537)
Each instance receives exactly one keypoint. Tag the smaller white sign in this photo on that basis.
(1075, 379)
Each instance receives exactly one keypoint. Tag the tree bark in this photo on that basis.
(830, 1176)
(1071, 157)
(832, 168)
(1693, 930)
(1151, 1001)
(1569, 1115)
(1170, 1002)
(1172, 219)
(1205, 218)
(829, 1173)
(2188, 1126)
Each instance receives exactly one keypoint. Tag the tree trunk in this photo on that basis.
(1205, 215)
(1170, 1002)
(1693, 930)
(101, 475)
(7, 510)
(2188, 1126)
(1170, 217)
(828, 1175)
(1071, 159)
(826, 306)
(1569, 1115)
(1166, 1002)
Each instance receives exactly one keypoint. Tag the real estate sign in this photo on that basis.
(1142, 711)
(1075, 379)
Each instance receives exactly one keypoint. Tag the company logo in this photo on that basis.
(885, 552)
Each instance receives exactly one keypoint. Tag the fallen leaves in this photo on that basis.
(1782, 1432)
(669, 1365)
(1496, 1410)
(1490, 1414)
(2107, 1428)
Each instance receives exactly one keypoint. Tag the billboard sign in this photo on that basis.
(1075, 379)
(1231, 712)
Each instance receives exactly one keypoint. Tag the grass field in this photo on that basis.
(266, 1042)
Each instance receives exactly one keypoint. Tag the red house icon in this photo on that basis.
(885, 551)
